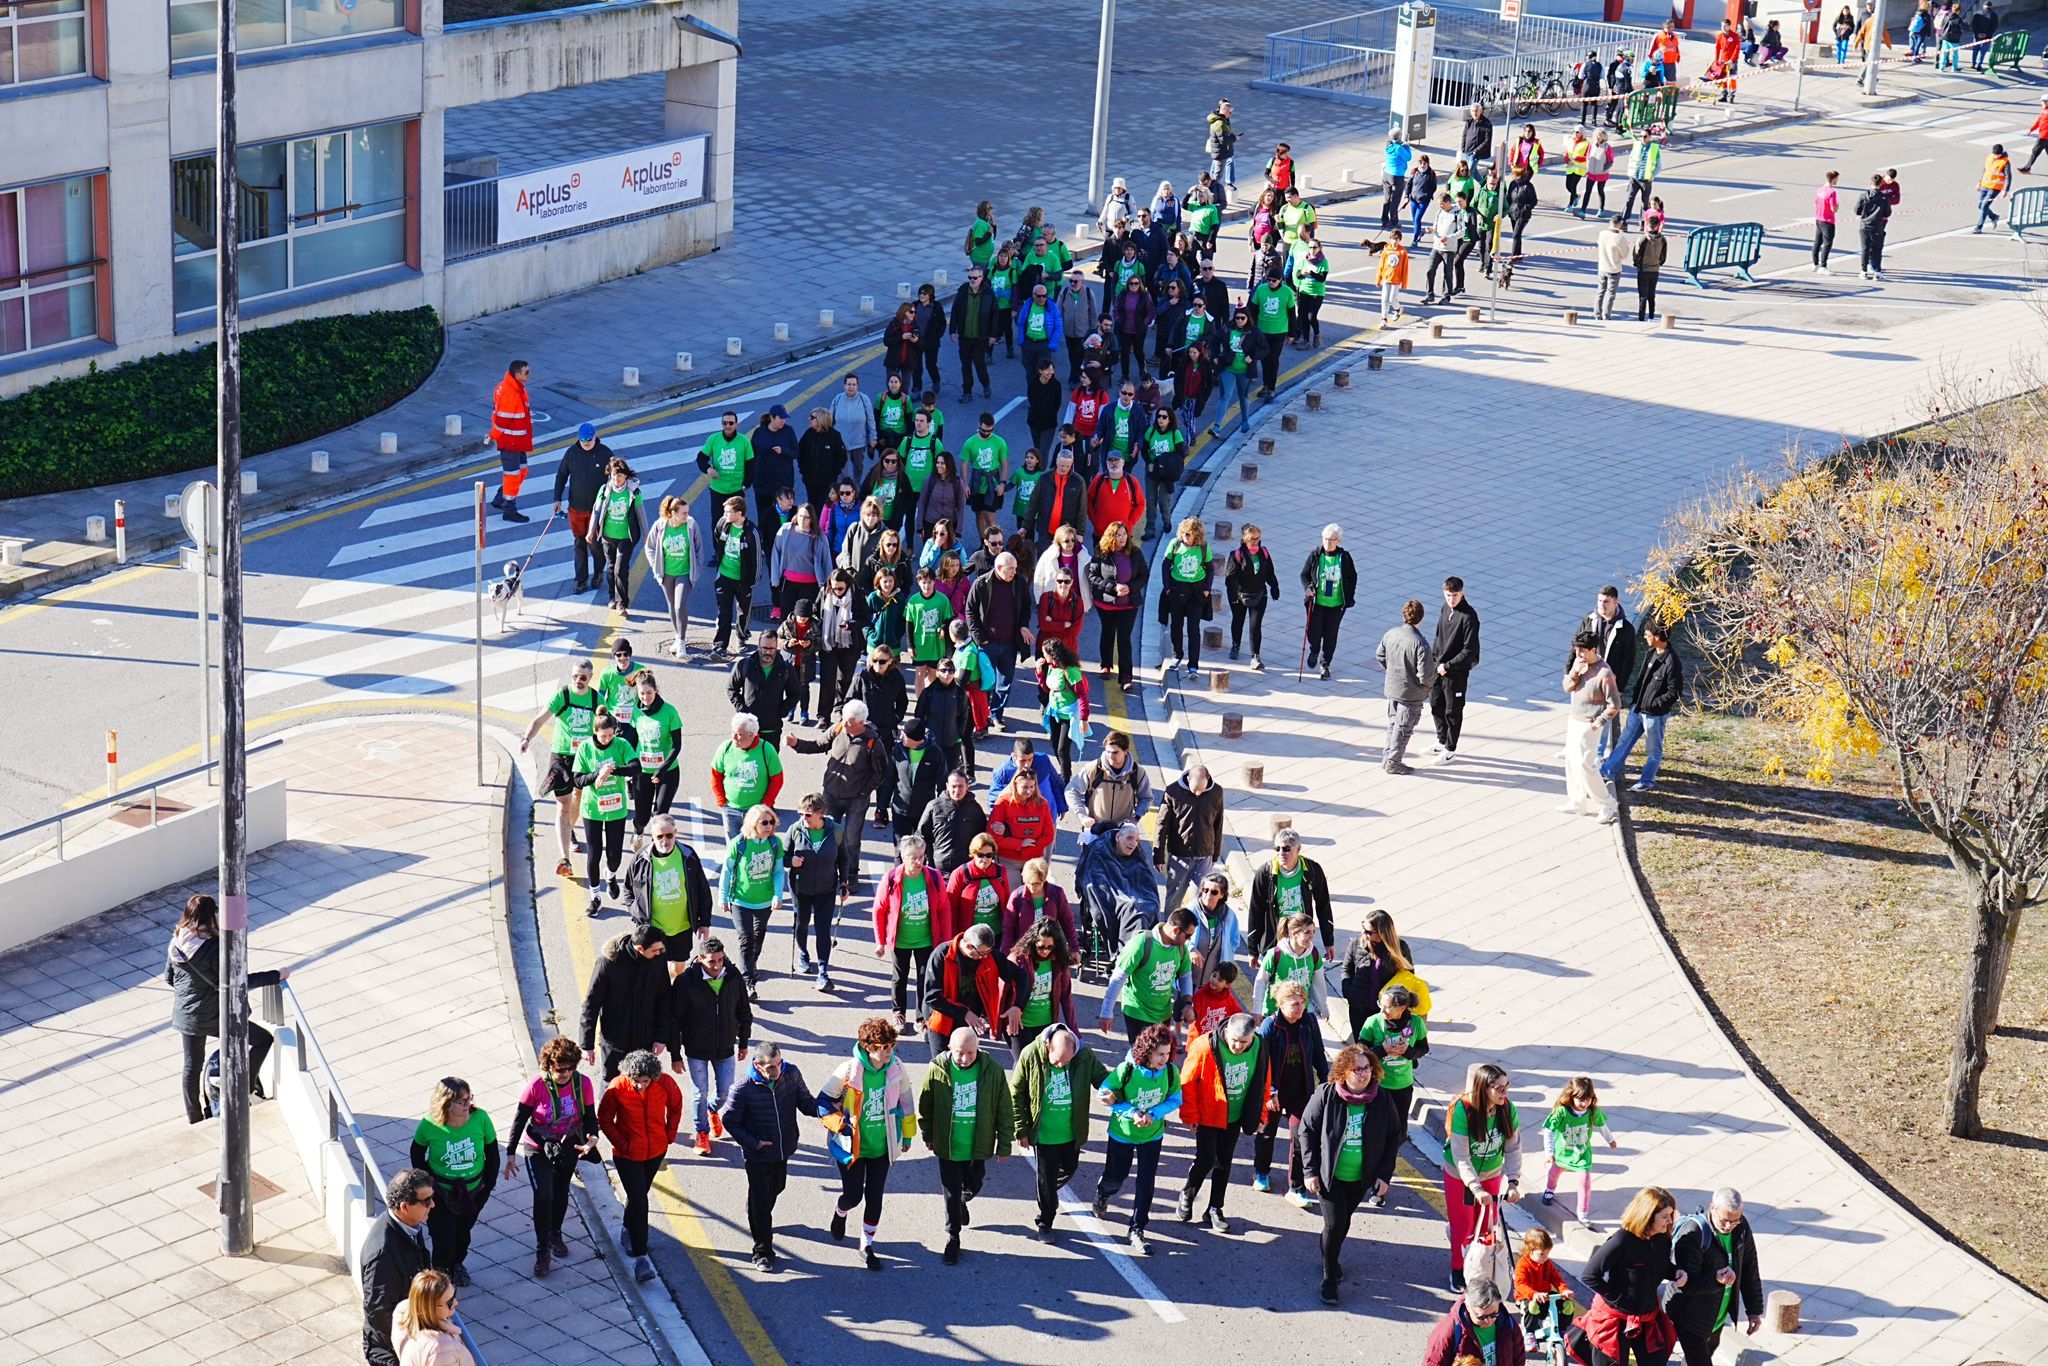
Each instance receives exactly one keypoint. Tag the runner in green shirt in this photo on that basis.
(1142, 1093)
(568, 713)
(658, 730)
(601, 766)
(922, 447)
(615, 688)
(728, 457)
(926, 612)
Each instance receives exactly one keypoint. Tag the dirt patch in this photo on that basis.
(1827, 928)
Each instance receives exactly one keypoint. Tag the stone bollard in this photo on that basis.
(630, 377)
(1219, 679)
(1248, 473)
(173, 502)
(1571, 317)
(96, 529)
(1314, 400)
(1223, 532)
(1436, 331)
(685, 362)
(1289, 422)
(1255, 775)
(451, 425)
(1212, 637)
(11, 552)
(904, 289)
(1280, 823)
(1670, 321)
(867, 303)
(1266, 444)
(824, 317)
(732, 346)
(1406, 346)
(1473, 313)
(782, 331)
(320, 462)
(1215, 601)
(939, 279)
(1345, 176)
(1781, 1307)
(1342, 379)
(1375, 360)
(387, 443)
(1234, 500)
(248, 481)
(1233, 726)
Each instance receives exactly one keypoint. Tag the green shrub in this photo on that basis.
(156, 415)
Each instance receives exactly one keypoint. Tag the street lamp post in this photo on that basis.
(1875, 50)
(1098, 147)
(1507, 128)
(237, 1210)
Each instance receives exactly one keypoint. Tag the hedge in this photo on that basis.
(156, 415)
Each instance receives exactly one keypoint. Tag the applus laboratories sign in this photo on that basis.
(618, 185)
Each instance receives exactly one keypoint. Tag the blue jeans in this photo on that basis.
(708, 1072)
(1985, 199)
(1635, 728)
(1841, 51)
(1004, 658)
(1415, 212)
(1223, 170)
(1236, 384)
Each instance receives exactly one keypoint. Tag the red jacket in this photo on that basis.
(962, 890)
(1124, 503)
(1022, 830)
(2040, 128)
(1061, 620)
(1453, 1337)
(511, 417)
(889, 906)
(1214, 1004)
(641, 1124)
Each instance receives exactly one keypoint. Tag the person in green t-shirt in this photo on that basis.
(1050, 1093)
(1329, 584)
(736, 562)
(1165, 451)
(1185, 601)
(1142, 1093)
(1398, 1037)
(745, 772)
(669, 891)
(919, 450)
(1482, 1156)
(1348, 1149)
(1311, 278)
(753, 885)
(728, 457)
(615, 688)
(602, 767)
(1223, 1087)
(658, 730)
(981, 235)
(912, 913)
(570, 712)
(1272, 306)
(926, 613)
(1026, 489)
(871, 1119)
(616, 522)
(458, 1146)
(1154, 977)
(985, 459)
(1236, 353)
(963, 1112)
(1575, 1116)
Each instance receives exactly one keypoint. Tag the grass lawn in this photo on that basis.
(1827, 928)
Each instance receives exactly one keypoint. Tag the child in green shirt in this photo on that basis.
(1568, 1139)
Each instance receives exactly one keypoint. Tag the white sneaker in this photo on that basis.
(1608, 816)
(1447, 756)
(1639, 787)
(1436, 747)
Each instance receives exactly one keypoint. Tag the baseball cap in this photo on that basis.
(913, 729)
(588, 431)
(778, 411)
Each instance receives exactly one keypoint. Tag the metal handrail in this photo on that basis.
(342, 1120)
(123, 795)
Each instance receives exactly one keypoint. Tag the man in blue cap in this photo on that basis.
(580, 475)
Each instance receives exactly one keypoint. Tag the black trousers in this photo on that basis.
(1439, 264)
(1873, 250)
(861, 1184)
(1214, 1148)
(195, 1065)
(1322, 633)
(962, 1182)
(1646, 294)
(1447, 707)
(1116, 1165)
(1631, 1351)
(1057, 1163)
(636, 1176)
(1402, 1097)
(735, 605)
(835, 676)
(1184, 626)
(974, 352)
(766, 1176)
(1698, 1348)
(1823, 242)
(1074, 352)
(1255, 614)
(1262, 1148)
(1117, 625)
(1517, 224)
(752, 923)
(618, 567)
(550, 1182)
(930, 357)
(1269, 358)
(653, 797)
(606, 837)
(452, 1221)
(814, 910)
(1308, 322)
(899, 989)
(2040, 146)
(1340, 1202)
(1636, 189)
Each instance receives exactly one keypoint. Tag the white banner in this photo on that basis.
(532, 203)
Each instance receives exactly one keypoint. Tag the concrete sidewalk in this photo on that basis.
(385, 902)
(1474, 458)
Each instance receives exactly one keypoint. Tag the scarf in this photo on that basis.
(988, 982)
(1350, 1097)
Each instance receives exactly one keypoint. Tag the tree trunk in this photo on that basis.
(1993, 924)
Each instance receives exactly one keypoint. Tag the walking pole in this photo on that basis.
(1302, 668)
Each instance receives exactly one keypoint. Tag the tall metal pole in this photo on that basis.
(204, 544)
(1806, 27)
(479, 633)
(1876, 50)
(237, 1210)
(1500, 201)
(1098, 148)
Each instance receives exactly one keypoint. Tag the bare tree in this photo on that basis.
(1897, 599)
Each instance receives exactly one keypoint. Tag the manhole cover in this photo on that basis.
(261, 1188)
(137, 813)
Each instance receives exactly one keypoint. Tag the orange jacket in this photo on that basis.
(1125, 503)
(2040, 128)
(1203, 1103)
(1027, 827)
(511, 417)
(641, 1124)
(1538, 1278)
(1727, 48)
(1394, 265)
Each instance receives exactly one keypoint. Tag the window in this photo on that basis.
(312, 209)
(278, 23)
(41, 40)
(49, 277)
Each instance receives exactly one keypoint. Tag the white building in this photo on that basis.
(107, 191)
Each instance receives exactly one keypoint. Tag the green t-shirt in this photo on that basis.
(1193, 328)
(1124, 272)
(753, 863)
(660, 732)
(1489, 1151)
(1002, 282)
(729, 458)
(604, 801)
(1056, 1110)
(1144, 1092)
(918, 454)
(1038, 1006)
(1312, 276)
(966, 1099)
(746, 772)
(1150, 971)
(983, 457)
(614, 511)
(927, 614)
(731, 543)
(1412, 1029)
(574, 715)
(874, 1119)
(1351, 1153)
(892, 413)
(676, 551)
(457, 1154)
(1571, 1137)
(1121, 424)
(1160, 446)
(1204, 219)
(616, 691)
(1237, 1071)
(1187, 563)
(1329, 579)
(1283, 965)
(1026, 489)
(981, 238)
(1037, 322)
(988, 908)
(668, 892)
(1287, 891)
(914, 924)
(1484, 1332)
(1237, 356)
(1270, 307)
(1727, 1242)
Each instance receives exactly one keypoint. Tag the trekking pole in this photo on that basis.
(1302, 668)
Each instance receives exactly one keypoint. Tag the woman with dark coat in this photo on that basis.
(931, 333)
(820, 456)
(1297, 1063)
(1369, 964)
(192, 971)
(1350, 1135)
(903, 345)
(1627, 1325)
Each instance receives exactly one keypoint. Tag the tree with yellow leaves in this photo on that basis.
(1898, 600)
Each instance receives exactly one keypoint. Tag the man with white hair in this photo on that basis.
(1223, 1096)
(857, 765)
(1476, 1325)
(745, 773)
(963, 1112)
(1329, 584)
(1055, 1080)
(1717, 1252)
(760, 1116)
(999, 608)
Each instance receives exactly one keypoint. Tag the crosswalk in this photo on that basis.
(395, 615)
(1974, 128)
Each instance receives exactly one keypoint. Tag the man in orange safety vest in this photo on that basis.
(512, 434)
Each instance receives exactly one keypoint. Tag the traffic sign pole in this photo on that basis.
(479, 633)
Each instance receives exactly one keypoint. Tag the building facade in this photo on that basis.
(107, 165)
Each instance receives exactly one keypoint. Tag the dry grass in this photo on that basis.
(1827, 927)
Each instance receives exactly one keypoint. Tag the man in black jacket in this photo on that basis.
(578, 477)
(1288, 883)
(1190, 831)
(1617, 647)
(1457, 652)
(1475, 144)
(393, 1253)
(973, 326)
(951, 822)
(920, 773)
(710, 1020)
(857, 766)
(1873, 217)
(774, 467)
(667, 876)
(1657, 693)
(999, 609)
(766, 686)
(1717, 1253)
(629, 995)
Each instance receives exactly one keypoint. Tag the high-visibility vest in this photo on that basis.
(1575, 156)
(511, 417)
(1996, 171)
(1665, 45)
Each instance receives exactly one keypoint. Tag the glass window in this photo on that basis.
(277, 23)
(49, 282)
(42, 40)
(314, 208)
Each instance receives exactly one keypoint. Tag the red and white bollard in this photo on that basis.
(113, 760)
(120, 531)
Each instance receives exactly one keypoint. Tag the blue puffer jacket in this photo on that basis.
(1119, 891)
(761, 1114)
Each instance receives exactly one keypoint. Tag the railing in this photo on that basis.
(272, 1004)
(121, 796)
